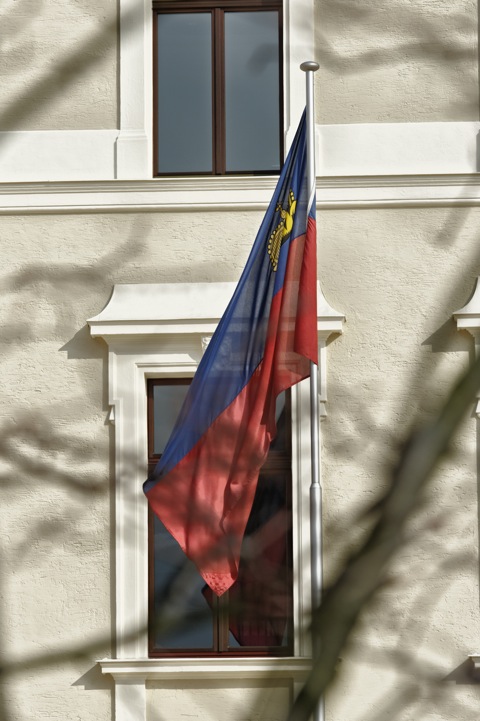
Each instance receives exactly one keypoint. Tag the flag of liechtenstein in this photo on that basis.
(204, 484)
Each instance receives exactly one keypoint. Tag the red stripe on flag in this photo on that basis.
(205, 501)
(306, 337)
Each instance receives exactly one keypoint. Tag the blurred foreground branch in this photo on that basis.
(363, 574)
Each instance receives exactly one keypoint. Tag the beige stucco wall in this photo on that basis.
(397, 61)
(55, 465)
(217, 699)
(381, 62)
(56, 447)
(59, 65)
(397, 274)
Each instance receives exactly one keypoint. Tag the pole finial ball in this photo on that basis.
(309, 65)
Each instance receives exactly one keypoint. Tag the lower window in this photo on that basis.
(254, 617)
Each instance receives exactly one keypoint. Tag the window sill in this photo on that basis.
(142, 670)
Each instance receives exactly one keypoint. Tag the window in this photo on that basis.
(157, 332)
(255, 616)
(217, 87)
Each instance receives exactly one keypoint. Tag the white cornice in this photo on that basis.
(192, 194)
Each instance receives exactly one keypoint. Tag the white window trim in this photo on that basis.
(468, 318)
(155, 331)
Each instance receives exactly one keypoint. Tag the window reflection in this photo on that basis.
(252, 93)
(184, 107)
(254, 616)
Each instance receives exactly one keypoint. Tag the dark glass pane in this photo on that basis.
(252, 91)
(177, 588)
(259, 604)
(260, 600)
(167, 401)
(279, 443)
(184, 109)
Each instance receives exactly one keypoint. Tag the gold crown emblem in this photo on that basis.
(283, 229)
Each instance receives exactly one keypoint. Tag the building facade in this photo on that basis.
(118, 264)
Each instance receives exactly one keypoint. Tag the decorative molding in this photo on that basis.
(157, 309)
(230, 194)
(475, 660)
(139, 311)
(468, 318)
(205, 341)
(402, 191)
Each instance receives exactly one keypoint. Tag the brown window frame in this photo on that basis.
(277, 462)
(217, 10)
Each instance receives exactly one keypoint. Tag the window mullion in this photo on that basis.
(218, 65)
(223, 618)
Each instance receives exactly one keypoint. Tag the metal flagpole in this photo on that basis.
(309, 68)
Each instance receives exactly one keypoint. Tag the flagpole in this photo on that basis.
(309, 68)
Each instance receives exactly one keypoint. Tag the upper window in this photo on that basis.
(217, 86)
(254, 617)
